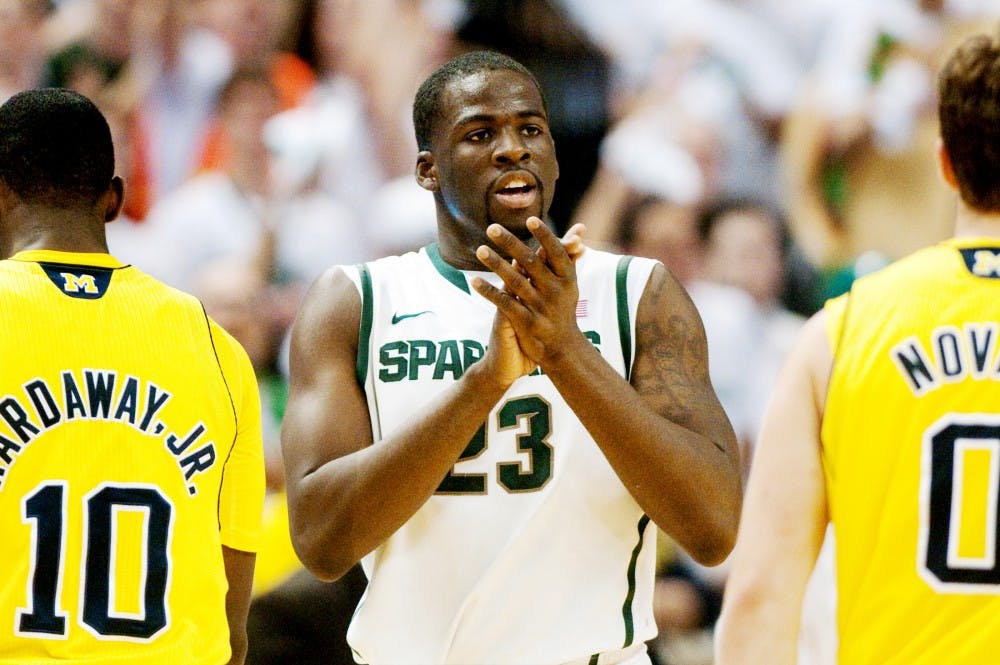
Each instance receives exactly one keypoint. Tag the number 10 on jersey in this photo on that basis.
(46, 511)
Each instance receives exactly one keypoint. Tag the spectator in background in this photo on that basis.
(21, 46)
(747, 246)
(332, 136)
(251, 31)
(241, 211)
(401, 218)
(701, 96)
(94, 44)
(160, 65)
(670, 159)
(661, 229)
(861, 191)
(352, 133)
(97, 58)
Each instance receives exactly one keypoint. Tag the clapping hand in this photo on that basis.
(540, 292)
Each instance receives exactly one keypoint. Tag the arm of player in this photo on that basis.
(239, 574)
(345, 495)
(784, 516)
(666, 435)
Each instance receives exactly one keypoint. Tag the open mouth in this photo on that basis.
(520, 189)
(517, 192)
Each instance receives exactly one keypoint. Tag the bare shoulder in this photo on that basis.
(327, 321)
(671, 362)
(326, 416)
(812, 356)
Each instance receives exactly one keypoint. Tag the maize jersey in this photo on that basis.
(911, 453)
(130, 452)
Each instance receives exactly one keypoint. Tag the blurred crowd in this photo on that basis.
(767, 152)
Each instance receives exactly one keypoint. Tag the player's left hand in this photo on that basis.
(543, 284)
(572, 240)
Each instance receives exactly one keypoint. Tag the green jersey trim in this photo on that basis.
(624, 321)
(450, 273)
(630, 596)
(365, 330)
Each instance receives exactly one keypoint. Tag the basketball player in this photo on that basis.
(494, 440)
(131, 471)
(886, 423)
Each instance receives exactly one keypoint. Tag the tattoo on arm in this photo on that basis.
(671, 368)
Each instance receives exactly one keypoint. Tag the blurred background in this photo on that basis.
(767, 152)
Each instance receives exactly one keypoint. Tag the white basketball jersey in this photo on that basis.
(532, 550)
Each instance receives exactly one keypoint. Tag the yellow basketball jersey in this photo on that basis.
(130, 452)
(911, 450)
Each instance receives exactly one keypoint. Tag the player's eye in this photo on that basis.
(531, 130)
(478, 135)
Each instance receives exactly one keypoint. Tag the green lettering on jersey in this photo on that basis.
(515, 476)
(448, 360)
(423, 353)
(392, 358)
(467, 483)
(471, 352)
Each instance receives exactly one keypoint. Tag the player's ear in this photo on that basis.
(944, 165)
(7, 199)
(111, 202)
(426, 172)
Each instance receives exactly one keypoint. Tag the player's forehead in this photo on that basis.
(489, 93)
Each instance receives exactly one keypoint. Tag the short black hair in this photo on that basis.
(428, 99)
(55, 147)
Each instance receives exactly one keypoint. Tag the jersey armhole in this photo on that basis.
(624, 317)
(365, 329)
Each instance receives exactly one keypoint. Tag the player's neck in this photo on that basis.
(60, 229)
(458, 246)
(459, 255)
(974, 223)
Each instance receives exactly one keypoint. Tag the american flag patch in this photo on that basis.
(581, 308)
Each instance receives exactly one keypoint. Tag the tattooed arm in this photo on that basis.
(666, 435)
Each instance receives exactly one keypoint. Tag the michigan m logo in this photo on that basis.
(982, 261)
(79, 283)
(987, 263)
(84, 282)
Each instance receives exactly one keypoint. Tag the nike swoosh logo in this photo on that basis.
(396, 318)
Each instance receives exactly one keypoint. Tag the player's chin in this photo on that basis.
(516, 221)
